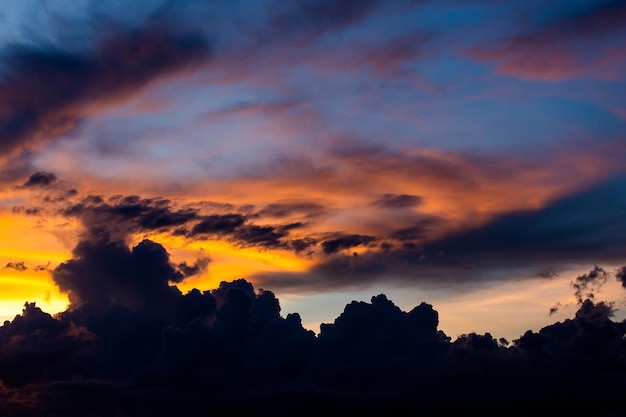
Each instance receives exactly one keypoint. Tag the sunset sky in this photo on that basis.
(466, 153)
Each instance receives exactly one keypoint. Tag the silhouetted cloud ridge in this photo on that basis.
(130, 335)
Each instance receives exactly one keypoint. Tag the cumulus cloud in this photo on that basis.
(35, 346)
(106, 273)
(345, 242)
(227, 348)
(131, 332)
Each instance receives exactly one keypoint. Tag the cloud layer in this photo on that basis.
(47, 90)
(132, 339)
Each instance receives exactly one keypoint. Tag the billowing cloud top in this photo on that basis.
(134, 339)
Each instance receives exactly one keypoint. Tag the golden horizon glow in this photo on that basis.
(29, 249)
(227, 261)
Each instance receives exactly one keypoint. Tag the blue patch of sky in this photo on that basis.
(444, 16)
(454, 74)
(519, 125)
(460, 120)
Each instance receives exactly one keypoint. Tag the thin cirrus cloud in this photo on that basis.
(67, 83)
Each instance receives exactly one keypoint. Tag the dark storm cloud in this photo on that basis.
(392, 201)
(128, 214)
(218, 224)
(125, 297)
(163, 217)
(106, 272)
(40, 179)
(198, 267)
(224, 350)
(586, 226)
(237, 229)
(300, 245)
(45, 90)
(345, 242)
(281, 210)
(35, 346)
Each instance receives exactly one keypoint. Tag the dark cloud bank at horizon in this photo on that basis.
(132, 344)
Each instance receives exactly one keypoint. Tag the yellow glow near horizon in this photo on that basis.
(19, 287)
(37, 246)
(228, 262)
(508, 309)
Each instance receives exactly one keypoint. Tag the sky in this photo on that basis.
(455, 167)
(469, 154)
